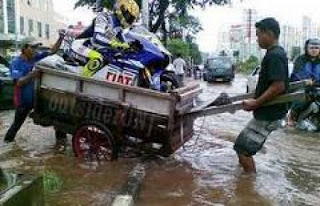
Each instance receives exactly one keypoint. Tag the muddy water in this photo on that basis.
(204, 172)
(67, 181)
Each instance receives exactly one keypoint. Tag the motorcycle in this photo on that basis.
(145, 64)
(309, 118)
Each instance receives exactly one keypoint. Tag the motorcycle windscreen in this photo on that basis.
(150, 53)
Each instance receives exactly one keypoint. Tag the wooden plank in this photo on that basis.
(298, 84)
(180, 109)
(105, 83)
(110, 93)
(140, 98)
(190, 95)
(58, 82)
(231, 108)
(187, 88)
(148, 103)
(292, 87)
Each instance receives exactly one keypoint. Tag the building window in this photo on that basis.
(30, 24)
(1, 17)
(21, 25)
(47, 31)
(11, 16)
(39, 29)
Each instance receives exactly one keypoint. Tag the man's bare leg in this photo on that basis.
(247, 163)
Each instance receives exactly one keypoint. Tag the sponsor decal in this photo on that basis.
(122, 77)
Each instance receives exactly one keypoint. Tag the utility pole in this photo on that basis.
(145, 13)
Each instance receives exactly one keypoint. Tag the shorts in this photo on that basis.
(253, 136)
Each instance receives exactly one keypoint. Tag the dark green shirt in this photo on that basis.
(274, 67)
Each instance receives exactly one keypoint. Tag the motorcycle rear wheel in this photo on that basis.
(169, 82)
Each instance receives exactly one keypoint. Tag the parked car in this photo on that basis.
(4, 71)
(6, 88)
(253, 77)
(219, 69)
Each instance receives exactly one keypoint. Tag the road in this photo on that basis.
(204, 172)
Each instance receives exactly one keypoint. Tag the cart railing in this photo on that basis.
(140, 98)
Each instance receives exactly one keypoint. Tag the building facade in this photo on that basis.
(28, 19)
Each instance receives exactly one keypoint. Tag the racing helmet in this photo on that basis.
(127, 11)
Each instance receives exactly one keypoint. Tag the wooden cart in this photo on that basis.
(103, 116)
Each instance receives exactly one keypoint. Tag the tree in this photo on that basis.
(177, 46)
(248, 65)
(159, 8)
(186, 49)
(195, 53)
(188, 23)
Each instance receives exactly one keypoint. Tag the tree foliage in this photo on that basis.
(248, 65)
(177, 46)
(159, 8)
(188, 23)
(195, 53)
(186, 49)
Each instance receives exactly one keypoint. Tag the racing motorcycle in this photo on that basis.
(145, 64)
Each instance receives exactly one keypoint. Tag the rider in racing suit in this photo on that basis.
(106, 32)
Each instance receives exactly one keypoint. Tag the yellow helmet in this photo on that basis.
(127, 11)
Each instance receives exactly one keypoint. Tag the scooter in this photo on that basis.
(309, 119)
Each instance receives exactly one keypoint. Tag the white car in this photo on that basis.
(253, 77)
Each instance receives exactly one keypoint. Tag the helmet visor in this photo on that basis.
(127, 16)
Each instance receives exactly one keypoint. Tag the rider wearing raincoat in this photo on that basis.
(306, 66)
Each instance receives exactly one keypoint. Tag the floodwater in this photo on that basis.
(204, 172)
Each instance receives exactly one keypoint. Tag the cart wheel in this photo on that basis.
(94, 142)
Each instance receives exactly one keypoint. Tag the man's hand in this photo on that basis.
(310, 82)
(35, 74)
(62, 33)
(250, 104)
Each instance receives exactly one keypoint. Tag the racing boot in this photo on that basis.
(94, 64)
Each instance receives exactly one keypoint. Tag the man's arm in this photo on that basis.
(58, 43)
(26, 79)
(274, 90)
(54, 49)
(17, 74)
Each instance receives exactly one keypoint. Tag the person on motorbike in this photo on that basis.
(306, 66)
(106, 32)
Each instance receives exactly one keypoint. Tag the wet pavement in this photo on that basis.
(204, 172)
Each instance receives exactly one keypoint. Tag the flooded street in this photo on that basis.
(204, 172)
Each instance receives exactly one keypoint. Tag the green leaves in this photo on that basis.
(159, 10)
(90, 3)
(186, 49)
(52, 182)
